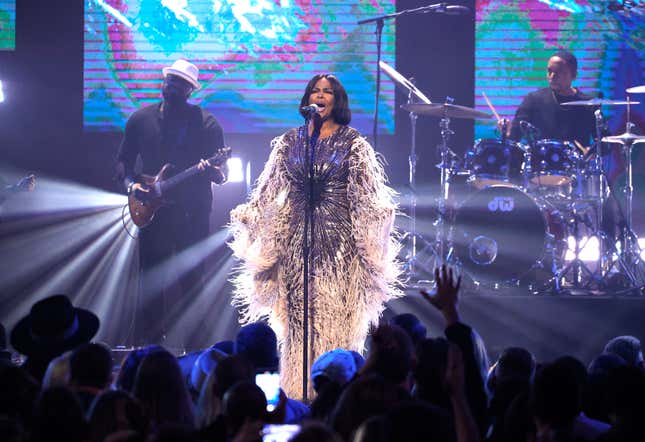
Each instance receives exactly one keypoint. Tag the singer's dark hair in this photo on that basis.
(570, 60)
(341, 112)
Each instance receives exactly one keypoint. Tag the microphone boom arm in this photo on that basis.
(437, 7)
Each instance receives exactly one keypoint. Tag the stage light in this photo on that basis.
(248, 177)
(235, 170)
(641, 245)
(1, 93)
(589, 249)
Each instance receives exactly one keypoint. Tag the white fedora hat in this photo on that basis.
(184, 69)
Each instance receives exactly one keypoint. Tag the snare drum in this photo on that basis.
(494, 161)
(552, 163)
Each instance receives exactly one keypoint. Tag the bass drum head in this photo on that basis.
(500, 234)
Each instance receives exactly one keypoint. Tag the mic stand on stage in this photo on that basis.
(441, 8)
(308, 239)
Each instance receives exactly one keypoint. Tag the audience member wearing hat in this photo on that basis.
(411, 325)
(628, 348)
(203, 366)
(337, 366)
(52, 327)
(259, 344)
(183, 134)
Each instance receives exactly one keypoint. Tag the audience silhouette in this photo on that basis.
(409, 387)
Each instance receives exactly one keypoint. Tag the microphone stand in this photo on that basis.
(308, 239)
(380, 21)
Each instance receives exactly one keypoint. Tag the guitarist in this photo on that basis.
(182, 134)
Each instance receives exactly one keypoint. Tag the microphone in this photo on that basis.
(598, 115)
(310, 110)
(442, 8)
(454, 10)
(601, 124)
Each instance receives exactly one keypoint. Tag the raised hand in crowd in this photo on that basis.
(445, 295)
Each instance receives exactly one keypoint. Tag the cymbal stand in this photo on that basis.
(446, 169)
(412, 181)
(594, 176)
(629, 257)
(530, 137)
(413, 235)
(596, 169)
(630, 250)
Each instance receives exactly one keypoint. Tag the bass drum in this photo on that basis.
(501, 233)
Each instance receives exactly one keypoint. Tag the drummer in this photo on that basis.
(543, 111)
(568, 123)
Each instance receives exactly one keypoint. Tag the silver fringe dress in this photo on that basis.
(353, 267)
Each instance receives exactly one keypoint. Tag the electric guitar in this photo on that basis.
(143, 205)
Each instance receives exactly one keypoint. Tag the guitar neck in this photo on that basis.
(171, 182)
(221, 155)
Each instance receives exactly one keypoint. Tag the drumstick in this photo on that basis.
(583, 149)
(490, 105)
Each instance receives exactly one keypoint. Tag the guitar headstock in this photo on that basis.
(27, 183)
(220, 156)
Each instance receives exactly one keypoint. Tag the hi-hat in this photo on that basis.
(636, 90)
(444, 109)
(598, 102)
(626, 138)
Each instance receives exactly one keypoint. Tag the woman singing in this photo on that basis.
(352, 270)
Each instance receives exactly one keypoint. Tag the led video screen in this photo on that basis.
(255, 58)
(7, 25)
(514, 40)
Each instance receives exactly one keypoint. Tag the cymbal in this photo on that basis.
(636, 90)
(441, 109)
(597, 102)
(626, 138)
(405, 85)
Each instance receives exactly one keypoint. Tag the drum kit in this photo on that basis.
(533, 214)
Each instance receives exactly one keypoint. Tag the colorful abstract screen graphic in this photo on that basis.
(514, 40)
(255, 57)
(7, 25)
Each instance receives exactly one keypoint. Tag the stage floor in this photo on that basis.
(550, 326)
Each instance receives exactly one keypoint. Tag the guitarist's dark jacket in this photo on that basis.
(182, 141)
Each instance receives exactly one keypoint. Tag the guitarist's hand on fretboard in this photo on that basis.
(215, 172)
